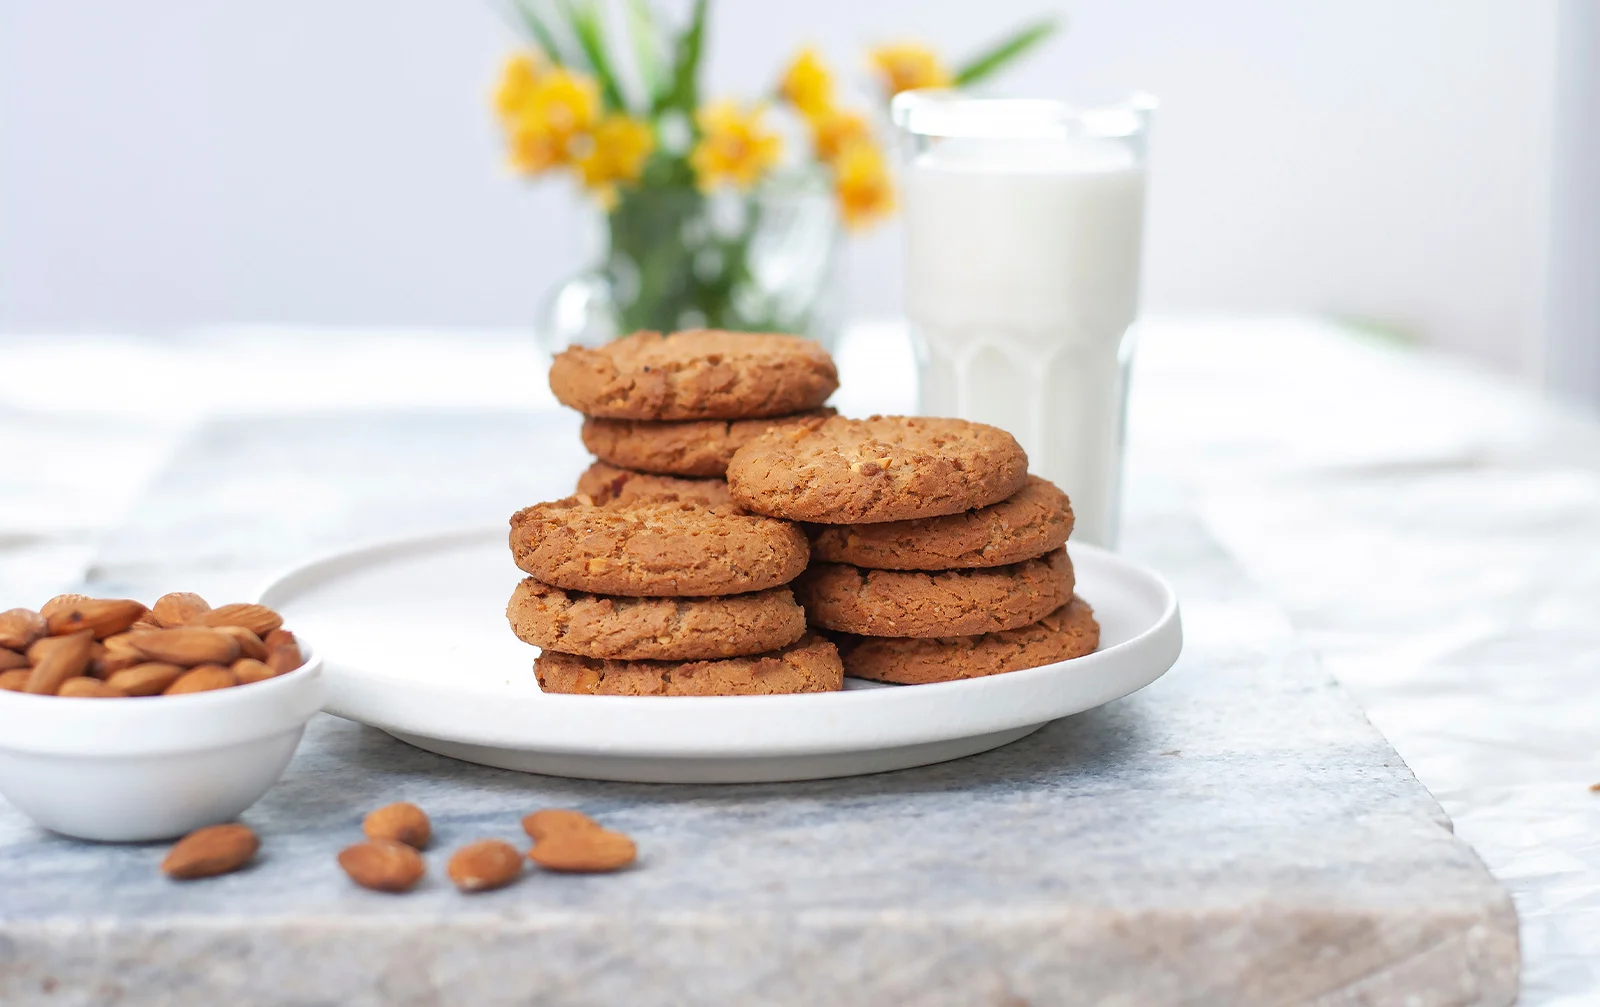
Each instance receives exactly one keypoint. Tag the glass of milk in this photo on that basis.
(1023, 222)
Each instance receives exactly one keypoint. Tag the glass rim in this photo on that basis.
(946, 112)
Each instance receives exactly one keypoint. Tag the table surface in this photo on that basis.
(1430, 532)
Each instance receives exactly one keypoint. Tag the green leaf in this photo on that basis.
(542, 35)
(685, 93)
(584, 18)
(1003, 52)
(643, 31)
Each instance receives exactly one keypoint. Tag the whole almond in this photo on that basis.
(120, 652)
(14, 680)
(584, 851)
(84, 687)
(552, 820)
(104, 616)
(203, 678)
(401, 822)
(178, 609)
(213, 850)
(60, 602)
(20, 627)
(149, 679)
(248, 671)
(186, 645)
(485, 865)
(258, 619)
(10, 659)
(283, 655)
(69, 658)
(250, 645)
(145, 624)
(382, 865)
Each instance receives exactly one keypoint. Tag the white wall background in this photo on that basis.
(191, 162)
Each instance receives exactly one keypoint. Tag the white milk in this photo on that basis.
(1022, 281)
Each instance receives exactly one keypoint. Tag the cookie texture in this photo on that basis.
(701, 374)
(670, 629)
(885, 468)
(1031, 522)
(1070, 631)
(655, 548)
(811, 664)
(683, 448)
(914, 603)
(605, 483)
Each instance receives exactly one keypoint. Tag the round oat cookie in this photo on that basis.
(655, 548)
(1070, 631)
(702, 374)
(886, 468)
(684, 448)
(661, 629)
(1031, 522)
(810, 664)
(605, 483)
(915, 603)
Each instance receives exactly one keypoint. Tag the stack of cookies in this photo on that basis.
(936, 555)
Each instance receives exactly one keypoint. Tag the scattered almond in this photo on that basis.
(68, 658)
(84, 687)
(248, 671)
(14, 680)
(187, 645)
(382, 865)
(104, 616)
(542, 824)
(250, 645)
(10, 659)
(60, 602)
(149, 679)
(258, 619)
(401, 822)
(178, 609)
(204, 678)
(20, 627)
(485, 865)
(213, 850)
(584, 851)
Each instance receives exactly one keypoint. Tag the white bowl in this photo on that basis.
(128, 770)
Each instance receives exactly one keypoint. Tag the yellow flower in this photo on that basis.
(549, 118)
(835, 130)
(517, 80)
(617, 151)
(807, 84)
(734, 146)
(906, 65)
(861, 183)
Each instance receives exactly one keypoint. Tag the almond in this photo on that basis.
(248, 671)
(149, 679)
(10, 659)
(14, 680)
(105, 616)
(203, 678)
(120, 652)
(178, 609)
(84, 687)
(382, 865)
(60, 602)
(20, 627)
(584, 851)
(401, 822)
(258, 619)
(545, 823)
(283, 652)
(485, 865)
(213, 850)
(186, 645)
(250, 645)
(68, 658)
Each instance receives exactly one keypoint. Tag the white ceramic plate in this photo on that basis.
(414, 641)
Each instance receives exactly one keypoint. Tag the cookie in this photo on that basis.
(1031, 522)
(1070, 631)
(662, 629)
(655, 548)
(605, 483)
(810, 664)
(702, 374)
(914, 603)
(685, 448)
(886, 468)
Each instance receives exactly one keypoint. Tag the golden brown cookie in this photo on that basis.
(1031, 522)
(655, 548)
(702, 374)
(811, 664)
(605, 483)
(914, 603)
(1070, 631)
(660, 629)
(886, 468)
(685, 448)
